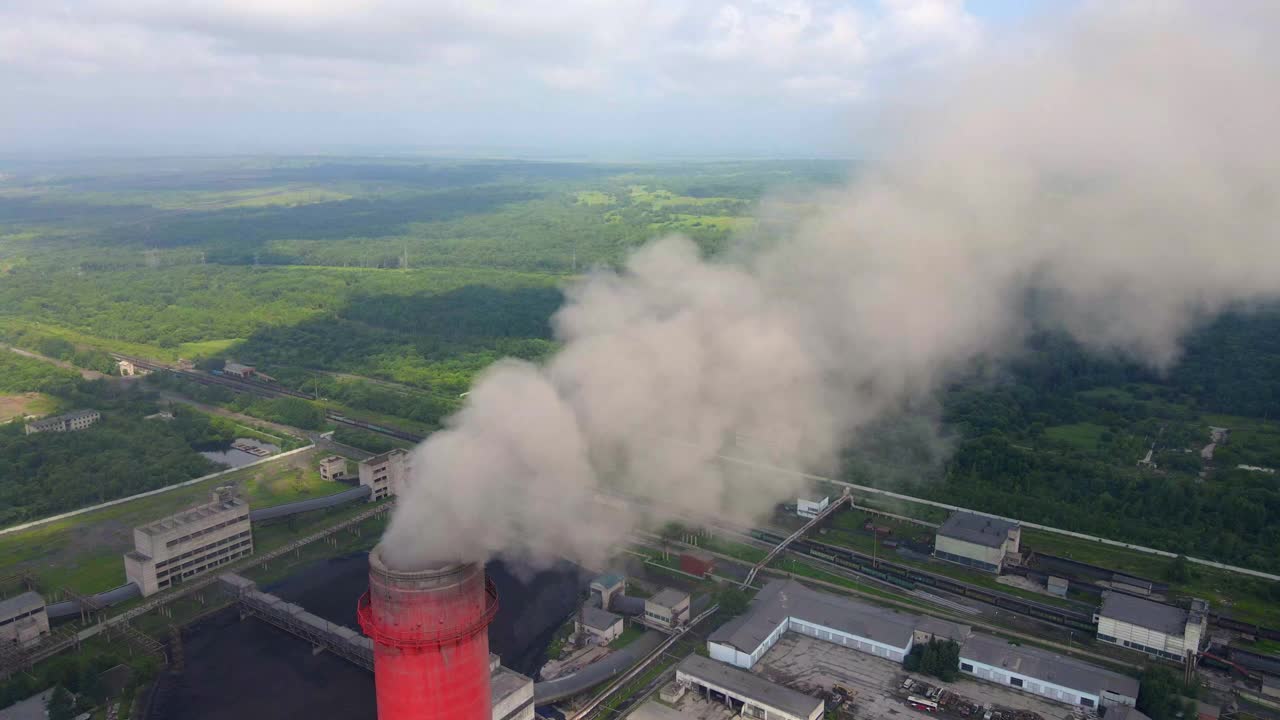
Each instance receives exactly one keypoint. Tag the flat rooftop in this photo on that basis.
(976, 529)
(597, 619)
(784, 599)
(18, 604)
(749, 686)
(1144, 613)
(1047, 666)
(669, 597)
(190, 515)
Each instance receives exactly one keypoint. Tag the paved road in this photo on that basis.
(86, 374)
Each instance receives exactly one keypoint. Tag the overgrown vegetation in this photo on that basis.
(939, 658)
(1163, 696)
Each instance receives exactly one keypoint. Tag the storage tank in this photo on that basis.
(430, 640)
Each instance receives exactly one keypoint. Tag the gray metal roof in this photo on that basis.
(783, 599)
(19, 604)
(608, 580)
(1046, 666)
(750, 686)
(597, 619)
(1144, 613)
(976, 529)
(669, 597)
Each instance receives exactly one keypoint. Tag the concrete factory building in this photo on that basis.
(333, 467)
(601, 626)
(752, 696)
(189, 543)
(70, 422)
(977, 541)
(1160, 630)
(789, 606)
(605, 587)
(669, 608)
(510, 693)
(1047, 674)
(385, 474)
(23, 620)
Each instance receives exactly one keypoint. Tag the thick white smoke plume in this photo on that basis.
(1122, 164)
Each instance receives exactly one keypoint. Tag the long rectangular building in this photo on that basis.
(784, 606)
(188, 543)
(1044, 673)
(751, 695)
(788, 606)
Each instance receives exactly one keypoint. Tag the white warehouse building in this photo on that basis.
(1044, 673)
(1159, 630)
(750, 695)
(789, 606)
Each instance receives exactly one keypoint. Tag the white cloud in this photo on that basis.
(396, 56)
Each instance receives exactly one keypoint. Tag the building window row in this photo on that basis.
(215, 563)
(206, 531)
(174, 570)
(20, 616)
(189, 553)
(1150, 650)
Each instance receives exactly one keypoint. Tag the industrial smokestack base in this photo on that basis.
(430, 640)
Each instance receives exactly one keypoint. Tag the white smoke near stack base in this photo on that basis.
(1121, 164)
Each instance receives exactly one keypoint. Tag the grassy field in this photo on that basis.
(83, 552)
(629, 635)
(23, 404)
(1082, 435)
(1238, 595)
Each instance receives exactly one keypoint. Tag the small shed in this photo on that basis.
(1057, 586)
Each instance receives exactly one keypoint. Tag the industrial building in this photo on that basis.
(977, 541)
(752, 696)
(510, 693)
(810, 508)
(669, 608)
(332, 468)
(244, 372)
(385, 475)
(1159, 630)
(605, 587)
(23, 619)
(1044, 673)
(600, 626)
(69, 422)
(789, 606)
(190, 542)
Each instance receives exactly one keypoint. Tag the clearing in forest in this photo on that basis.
(15, 407)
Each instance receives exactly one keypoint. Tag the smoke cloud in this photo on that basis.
(1120, 165)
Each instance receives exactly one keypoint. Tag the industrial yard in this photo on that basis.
(876, 685)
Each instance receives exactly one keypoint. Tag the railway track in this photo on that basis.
(268, 391)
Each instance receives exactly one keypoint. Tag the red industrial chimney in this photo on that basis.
(430, 640)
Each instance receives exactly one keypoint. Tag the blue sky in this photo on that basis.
(591, 78)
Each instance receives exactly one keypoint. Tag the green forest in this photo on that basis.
(381, 287)
(122, 454)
